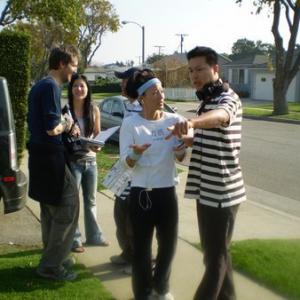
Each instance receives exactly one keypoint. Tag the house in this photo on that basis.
(92, 73)
(252, 76)
(172, 70)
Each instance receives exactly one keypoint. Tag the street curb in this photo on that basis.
(270, 119)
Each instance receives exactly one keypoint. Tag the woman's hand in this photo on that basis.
(95, 148)
(139, 149)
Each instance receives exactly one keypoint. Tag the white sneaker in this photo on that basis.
(167, 296)
(128, 270)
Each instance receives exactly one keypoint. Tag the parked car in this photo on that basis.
(13, 183)
(112, 111)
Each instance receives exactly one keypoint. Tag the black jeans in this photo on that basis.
(123, 225)
(149, 210)
(216, 228)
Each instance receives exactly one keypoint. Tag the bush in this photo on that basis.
(106, 85)
(243, 93)
(15, 67)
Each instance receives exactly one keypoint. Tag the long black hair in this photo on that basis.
(88, 106)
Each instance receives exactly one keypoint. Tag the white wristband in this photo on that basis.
(134, 156)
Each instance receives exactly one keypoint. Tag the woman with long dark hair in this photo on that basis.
(83, 161)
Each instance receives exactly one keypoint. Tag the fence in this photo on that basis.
(180, 94)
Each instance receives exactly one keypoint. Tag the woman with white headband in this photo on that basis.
(153, 200)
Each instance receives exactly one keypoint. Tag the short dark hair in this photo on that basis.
(136, 80)
(210, 55)
(62, 54)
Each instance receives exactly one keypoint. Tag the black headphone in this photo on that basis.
(212, 90)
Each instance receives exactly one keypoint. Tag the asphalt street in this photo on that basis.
(270, 159)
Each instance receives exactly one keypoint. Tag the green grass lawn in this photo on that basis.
(273, 263)
(108, 155)
(100, 96)
(95, 96)
(265, 110)
(19, 280)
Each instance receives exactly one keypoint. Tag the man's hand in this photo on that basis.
(67, 122)
(75, 130)
(179, 129)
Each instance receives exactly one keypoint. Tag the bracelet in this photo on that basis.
(134, 156)
(180, 142)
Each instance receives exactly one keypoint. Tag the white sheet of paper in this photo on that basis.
(116, 180)
(102, 137)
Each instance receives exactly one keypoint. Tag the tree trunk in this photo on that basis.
(280, 105)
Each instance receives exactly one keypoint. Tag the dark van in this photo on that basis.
(13, 183)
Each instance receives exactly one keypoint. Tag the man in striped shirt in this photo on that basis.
(214, 178)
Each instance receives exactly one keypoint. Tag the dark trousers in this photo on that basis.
(216, 228)
(149, 210)
(123, 225)
(58, 225)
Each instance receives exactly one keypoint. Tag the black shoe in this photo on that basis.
(59, 275)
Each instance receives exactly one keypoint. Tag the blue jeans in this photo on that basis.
(85, 174)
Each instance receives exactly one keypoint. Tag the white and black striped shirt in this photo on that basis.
(215, 177)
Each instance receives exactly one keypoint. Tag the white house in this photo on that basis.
(253, 76)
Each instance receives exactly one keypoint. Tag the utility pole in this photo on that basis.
(159, 47)
(182, 35)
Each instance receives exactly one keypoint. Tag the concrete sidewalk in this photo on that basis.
(253, 221)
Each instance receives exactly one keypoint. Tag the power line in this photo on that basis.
(182, 35)
(159, 47)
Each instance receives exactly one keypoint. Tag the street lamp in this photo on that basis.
(143, 37)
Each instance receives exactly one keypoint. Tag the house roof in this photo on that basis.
(254, 60)
(181, 58)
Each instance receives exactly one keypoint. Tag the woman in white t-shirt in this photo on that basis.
(153, 200)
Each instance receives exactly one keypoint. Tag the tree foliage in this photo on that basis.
(66, 12)
(154, 58)
(56, 22)
(287, 61)
(99, 18)
(15, 67)
(244, 47)
(43, 38)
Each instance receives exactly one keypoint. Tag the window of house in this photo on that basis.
(238, 76)
(241, 76)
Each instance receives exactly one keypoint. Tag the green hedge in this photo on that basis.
(15, 67)
(108, 88)
(106, 85)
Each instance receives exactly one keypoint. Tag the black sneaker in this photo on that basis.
(69, 262)
(118, 260)
(54, 274)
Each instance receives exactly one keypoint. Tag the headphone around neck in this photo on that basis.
(212, 90)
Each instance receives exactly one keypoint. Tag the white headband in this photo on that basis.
(147, 85)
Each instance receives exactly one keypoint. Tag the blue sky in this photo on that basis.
(214, 23)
